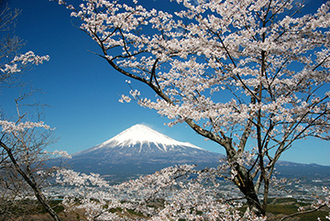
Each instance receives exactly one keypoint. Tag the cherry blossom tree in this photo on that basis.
(249, 75)
(22, 141)
(22, 144)
(174, 193)
(13, 63)
(22, 159)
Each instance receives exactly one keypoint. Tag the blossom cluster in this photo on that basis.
(233, 70)
(325, 202)
(60, 153)
(210, 69)
(21, 60)
(9, 126)
(173, 193)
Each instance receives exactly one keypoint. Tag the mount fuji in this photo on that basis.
(140, 150)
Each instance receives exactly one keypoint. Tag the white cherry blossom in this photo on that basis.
(235, 71)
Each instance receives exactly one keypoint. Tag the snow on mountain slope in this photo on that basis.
(141, 145)
(140, 150)
(141, 134)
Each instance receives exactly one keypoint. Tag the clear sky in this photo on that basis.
(83, 90)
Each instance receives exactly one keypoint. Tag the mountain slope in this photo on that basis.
(141, 134)
(140, 140)
(140, 150)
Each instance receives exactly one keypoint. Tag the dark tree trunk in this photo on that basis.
(245, 183)
(37, 191)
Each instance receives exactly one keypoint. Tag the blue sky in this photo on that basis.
(83, 90)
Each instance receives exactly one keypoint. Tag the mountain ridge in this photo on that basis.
(141, 135)
(141, 150)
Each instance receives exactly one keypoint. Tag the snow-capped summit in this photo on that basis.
(140, 150)
(139, 135)
(140, 142)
